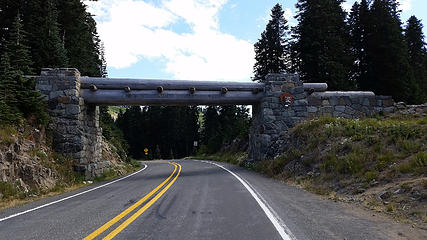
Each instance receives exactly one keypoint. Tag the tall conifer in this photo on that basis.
(389, 73)
(271, 52)
(417, 58)
(46, 45)
(322, 43)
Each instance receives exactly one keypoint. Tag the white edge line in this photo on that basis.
(72, 196)
(281, 228)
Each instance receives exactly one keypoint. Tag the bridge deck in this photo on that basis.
(116, 91)
(110, 91)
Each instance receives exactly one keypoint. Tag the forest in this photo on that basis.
(369, 48)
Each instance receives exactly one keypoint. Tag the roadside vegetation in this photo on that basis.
(380, 163)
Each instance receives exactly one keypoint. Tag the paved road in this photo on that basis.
(194, 200)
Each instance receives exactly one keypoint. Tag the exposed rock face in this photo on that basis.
(28, 163)
(25, 163)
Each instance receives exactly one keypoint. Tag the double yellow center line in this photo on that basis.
(132, 218)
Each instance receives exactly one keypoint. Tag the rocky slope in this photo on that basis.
(29, 167)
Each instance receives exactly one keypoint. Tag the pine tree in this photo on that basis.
(271, 52)
(103, 66)
(417, 57)
(322, 43)
(8, 84)
(47, 48)
(359, 22)
(80, 37)
(387, 53)
(22, 93)
(16, 45)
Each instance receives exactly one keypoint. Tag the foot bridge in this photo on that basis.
(279, 102)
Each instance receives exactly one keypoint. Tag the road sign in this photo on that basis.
(286, 99)
(195, 143)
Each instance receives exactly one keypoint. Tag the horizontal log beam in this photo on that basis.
(169, 97)
(152, 84)
(350, 94)
(315, 87)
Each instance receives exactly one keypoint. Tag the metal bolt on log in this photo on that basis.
(93, 88)
(127, 89)
(192, 90)
(160, 89)
(224, 90)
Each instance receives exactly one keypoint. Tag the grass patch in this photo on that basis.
(7, 134)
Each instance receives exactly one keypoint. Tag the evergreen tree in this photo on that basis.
(80, 37)
(8, 84)
(103, 66)
(271, 52)
(387, 53)
(16, 45)
(211, 137)
(322, 43)
(359, 22)
(417, 57)
(46, 47)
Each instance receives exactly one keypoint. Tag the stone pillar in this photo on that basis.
(272, 118)
(74, 125)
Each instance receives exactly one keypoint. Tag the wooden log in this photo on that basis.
(169, 98)
(315, 87)
(151, 84)
(351, 94)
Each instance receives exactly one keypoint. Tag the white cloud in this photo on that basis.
(132, 30)
(405, 5)
(346, 6)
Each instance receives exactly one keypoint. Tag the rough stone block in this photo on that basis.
(326, 109)
(314, 101)
(325, 103)
(296, 90)
(334, 101)
(302, 102)
(312, 109)
(299, 96)
(302, 114)
(299, 108)
(64, 100)
(340, 108)
(349, 110)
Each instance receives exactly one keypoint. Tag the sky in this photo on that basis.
(193, 39)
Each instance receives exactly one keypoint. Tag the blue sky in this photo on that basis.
(192, 39)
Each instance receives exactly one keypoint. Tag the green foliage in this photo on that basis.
(112, 132)
(167, 132)
(322, 46)
(371, 176)
(271, 50)
(42, 24)
(417, 57)
(417, 164)
(7, 189)
(221, 125)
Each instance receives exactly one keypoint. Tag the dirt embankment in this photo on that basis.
(379, 163)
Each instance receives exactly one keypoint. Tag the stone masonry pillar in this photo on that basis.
(271, 118)
(74, 125)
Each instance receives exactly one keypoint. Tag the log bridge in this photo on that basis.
(73, 105)
(116, 91)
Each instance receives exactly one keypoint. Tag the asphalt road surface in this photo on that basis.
(189, 199)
